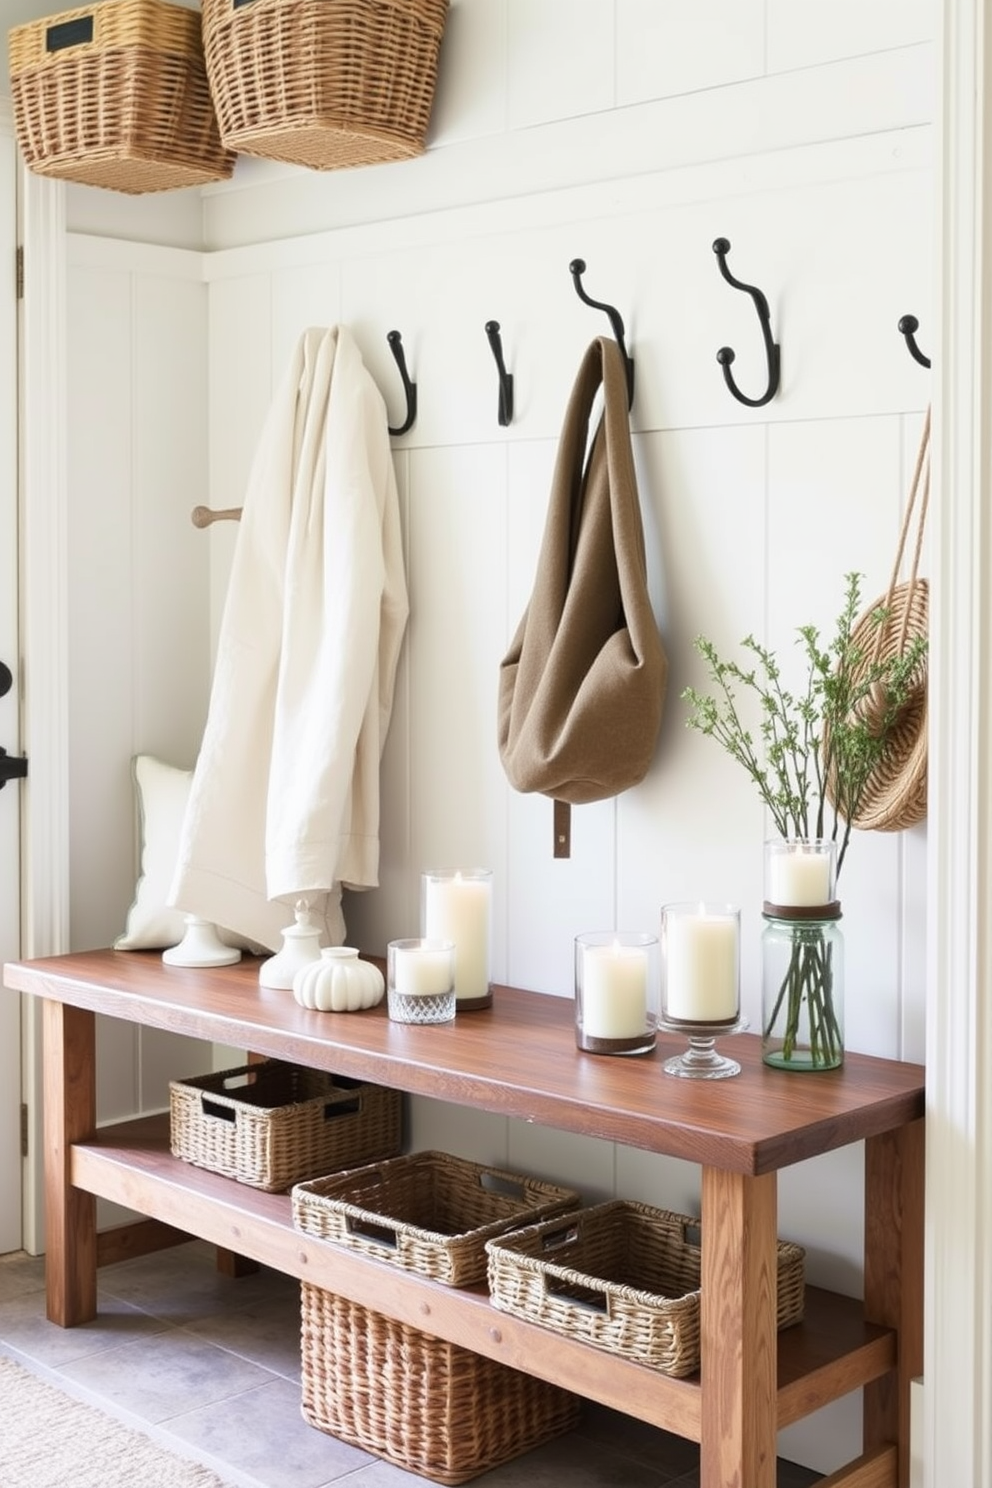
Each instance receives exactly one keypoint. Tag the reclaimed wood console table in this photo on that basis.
(519, 1059)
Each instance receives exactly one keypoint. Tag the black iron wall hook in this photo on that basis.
(410, 388)
(505, 378)
(577, 268)
(725, 355)
(909, 325)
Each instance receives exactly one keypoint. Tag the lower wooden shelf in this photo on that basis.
(833, 1351)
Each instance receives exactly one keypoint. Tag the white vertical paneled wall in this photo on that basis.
(138, 603)
(631, 135)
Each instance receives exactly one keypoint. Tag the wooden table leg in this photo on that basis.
(739, 1342)
(70, 1116)
(894, 1194)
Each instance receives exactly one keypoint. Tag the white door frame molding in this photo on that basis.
(958, 1308)
(44, 600)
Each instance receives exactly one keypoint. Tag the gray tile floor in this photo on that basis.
(210, 1367)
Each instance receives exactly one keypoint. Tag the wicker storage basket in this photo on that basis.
(624, 1277)
(428, 1212)
(324, 83)
(116, 95)
(423, 1404)
(269, 1124)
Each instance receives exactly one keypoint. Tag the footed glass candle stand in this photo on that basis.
(700, 988)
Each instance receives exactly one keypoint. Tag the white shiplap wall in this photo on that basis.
(632, 135)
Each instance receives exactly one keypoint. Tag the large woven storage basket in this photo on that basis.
(115, 95)
(624, 1277)
(428, 1212)
(269, 1124)
(324, 83)
(427, 1406)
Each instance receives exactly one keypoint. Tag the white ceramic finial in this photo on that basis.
(300, 946)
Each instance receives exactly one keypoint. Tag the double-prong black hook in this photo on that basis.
(725, 355)
(410, 388)
(578, 268)
(505, 378)
(909, 325)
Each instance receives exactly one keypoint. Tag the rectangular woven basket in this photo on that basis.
(428, 1212)
(427, 1406)
(269, 1124)
(622, 1276)
(115, 94)
(324, 83)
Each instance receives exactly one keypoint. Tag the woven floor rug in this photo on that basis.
(50, 1440)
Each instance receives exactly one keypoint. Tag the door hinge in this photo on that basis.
(19, 271)
(24, 1130)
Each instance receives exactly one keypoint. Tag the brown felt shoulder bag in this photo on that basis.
(582, 686)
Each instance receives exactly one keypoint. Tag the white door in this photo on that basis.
(10, 793)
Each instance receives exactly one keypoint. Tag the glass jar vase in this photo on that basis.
(802, 1015)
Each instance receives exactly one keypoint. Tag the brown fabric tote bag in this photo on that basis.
(582, 686)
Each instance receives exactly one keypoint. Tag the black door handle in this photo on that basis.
(12, 767)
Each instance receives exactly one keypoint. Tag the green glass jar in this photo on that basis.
(802, 1020)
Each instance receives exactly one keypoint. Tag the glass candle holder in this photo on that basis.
(456, 905)
(700, 984)
(800, 873)
(420, 980)
(616, 992)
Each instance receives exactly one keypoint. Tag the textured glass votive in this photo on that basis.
(700, 962)
(616, 992)
(420, 981)
(456, 905)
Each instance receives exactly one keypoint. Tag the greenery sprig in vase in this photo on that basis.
(815, 754)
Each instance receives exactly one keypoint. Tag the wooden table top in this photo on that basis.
(517, 1058)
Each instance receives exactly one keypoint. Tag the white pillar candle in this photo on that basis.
(702, 954)
(799, 876)
(458, 907)
(421, 971)
(614, 991)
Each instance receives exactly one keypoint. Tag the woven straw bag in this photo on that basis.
(895, 796)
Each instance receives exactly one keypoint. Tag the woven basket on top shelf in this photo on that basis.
(324, 83)
(115, 95)
(272, 1123)
(624, 1277)
(425, 1405)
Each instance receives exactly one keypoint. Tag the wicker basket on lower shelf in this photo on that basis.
(428, 1212)
(624, 1277)
(324, 83)
(427, 1406)
(270, 1124)
(116, 95)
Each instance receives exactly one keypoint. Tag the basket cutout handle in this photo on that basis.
(241, 1079)
(555, 1239)
(212, 1108)
(77, 32)
(585, 1298)
(379, 1234)
(692, 1233)
(501, 1183)
(343, 1108)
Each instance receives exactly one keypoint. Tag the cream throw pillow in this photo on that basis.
(152, 924)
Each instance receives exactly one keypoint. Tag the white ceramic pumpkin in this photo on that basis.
(339, 982)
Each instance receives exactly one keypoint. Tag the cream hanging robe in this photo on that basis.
(284, 802)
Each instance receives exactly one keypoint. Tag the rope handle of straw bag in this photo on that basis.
(921, 483)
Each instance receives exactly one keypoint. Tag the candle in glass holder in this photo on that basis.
(616, 1003)
(801, 874)
(702, 963)
(457, 906)
(420, 981)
